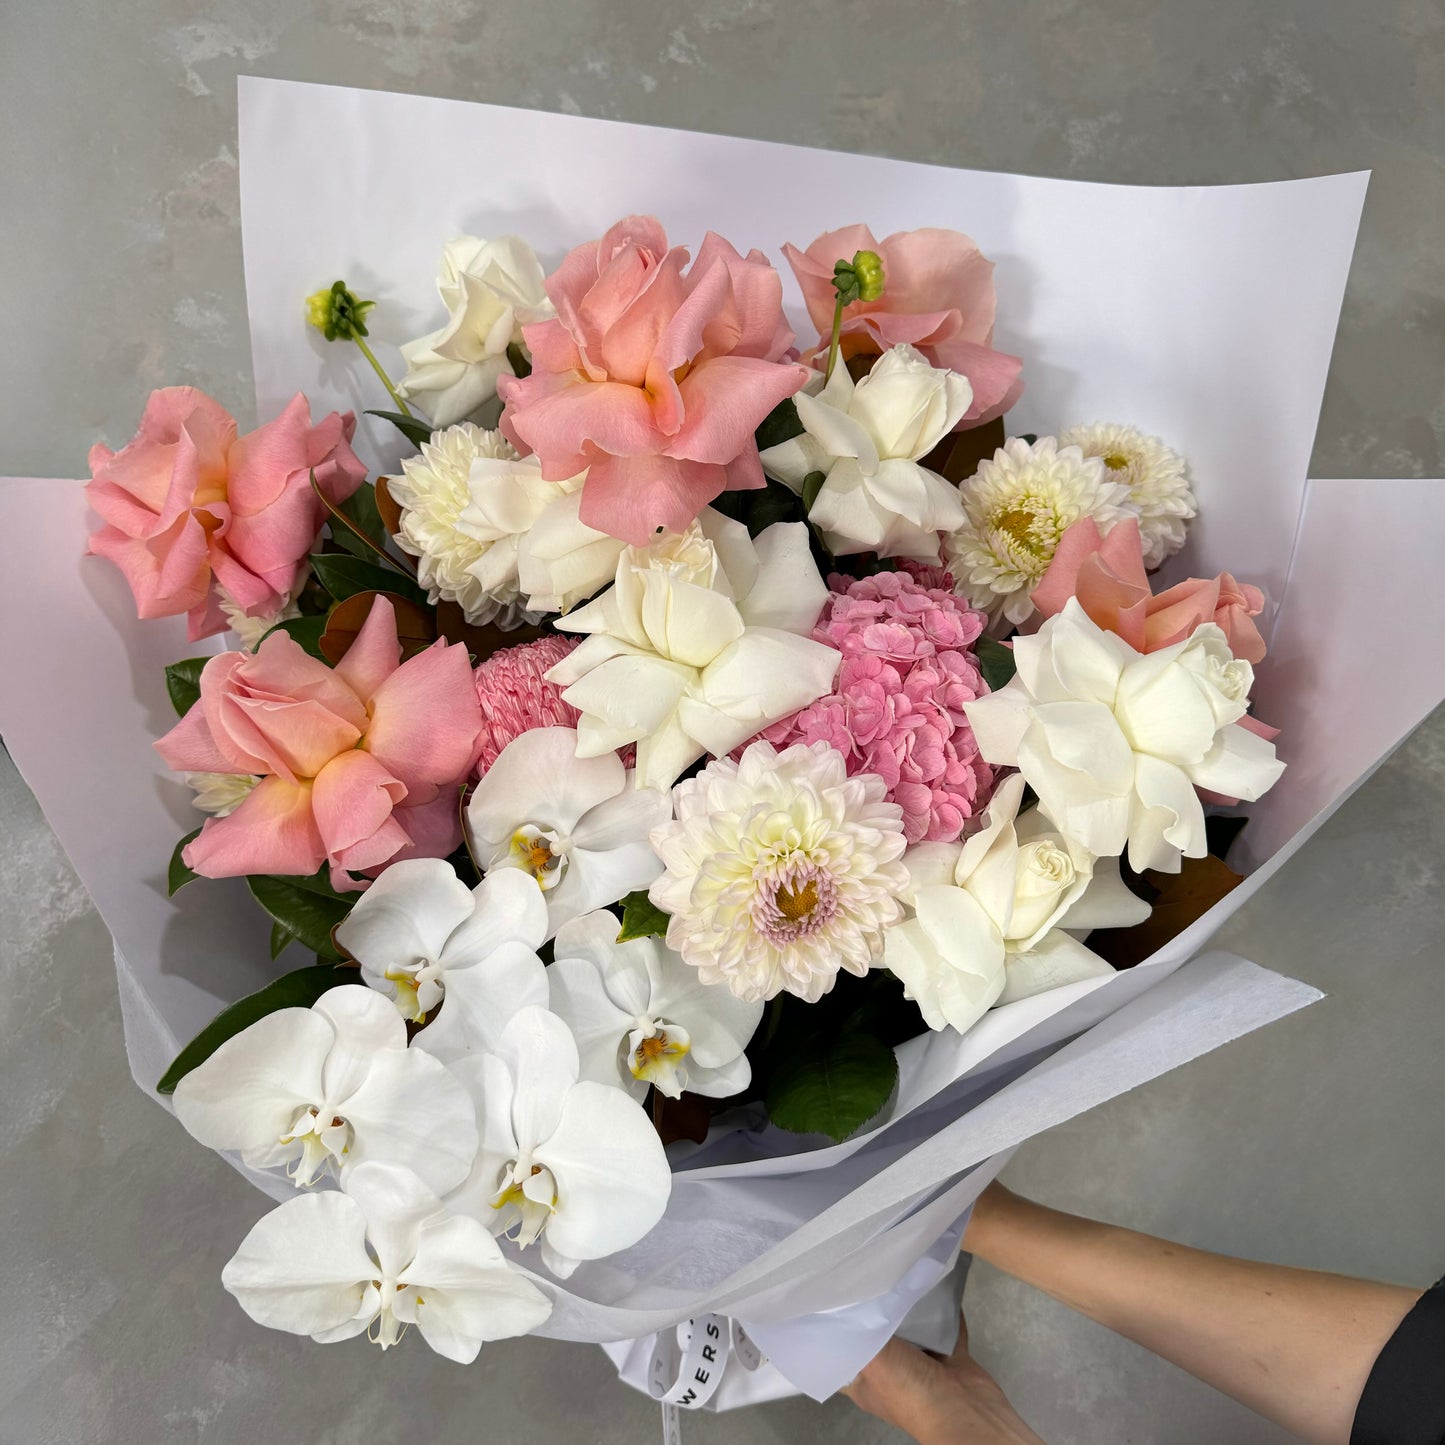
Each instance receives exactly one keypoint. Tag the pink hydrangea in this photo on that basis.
(897, 710)
(516, 696)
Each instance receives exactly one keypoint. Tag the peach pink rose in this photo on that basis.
(937, 295)
(652, 377)
(1106, 573)
(358, 765)
(190, 507)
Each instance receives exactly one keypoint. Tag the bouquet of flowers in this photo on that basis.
(701, 713)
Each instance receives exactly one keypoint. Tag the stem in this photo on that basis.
(337, 515)
(376, 366)
(833, 344)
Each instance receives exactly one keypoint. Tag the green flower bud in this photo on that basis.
(868, 267)
(337, 313)
(860, 279)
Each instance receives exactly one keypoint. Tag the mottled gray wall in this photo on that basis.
(1319, 1141)
(122, 256)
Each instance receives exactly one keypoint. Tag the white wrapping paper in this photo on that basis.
(1206, 315)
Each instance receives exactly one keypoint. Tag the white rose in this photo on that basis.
(700, 643)
(866, 438)
(1115, 742)
(562, 560)
(989, 914)
(491, 289)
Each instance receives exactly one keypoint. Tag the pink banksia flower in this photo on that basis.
(516, 696)
(897, 708)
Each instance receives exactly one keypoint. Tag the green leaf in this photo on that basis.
(280, 937)
(292, 990)
(1030, 437)
(832, 1088)
(518, 359)
(360, 510)
(775, 503)
(178, 875)
(641, 918)
(343, 576)
(307, 908)
(304, 630)
(183, 683)
(812, 485)
(780, 425)
(995, 661)
(414, 428)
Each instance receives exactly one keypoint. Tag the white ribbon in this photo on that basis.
(688, 1365)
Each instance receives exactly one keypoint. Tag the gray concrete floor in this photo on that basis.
(1318, 1142)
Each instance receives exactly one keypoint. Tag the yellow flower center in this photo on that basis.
(1116, 462)
(797, 906)
(1017, 524)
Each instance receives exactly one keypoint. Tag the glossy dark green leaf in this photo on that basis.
(414, 428)
(520, 362)
(360, 510)
(780, 425)
(995, 661)
(641, 918)
(343, 576)
(178, 875)
(183, 683)
(812, 485)
(307, 908)
(304, 630)
(832, 1087)
(281, 937)
(300, 989)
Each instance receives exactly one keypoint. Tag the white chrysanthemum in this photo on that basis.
(1156, 478)
(1018, 504)
(435, 494)
(780, 870)
(220, 793)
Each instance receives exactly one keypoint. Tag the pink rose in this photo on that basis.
(652, 379)
(358, 765)
(190, 507)
(1106, 573)
(937, 295)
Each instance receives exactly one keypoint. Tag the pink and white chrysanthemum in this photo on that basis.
(780, 869)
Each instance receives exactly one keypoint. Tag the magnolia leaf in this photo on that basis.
(305, 631)
(957, 456)
(307, 908)
(387, 507)
(832, 1087)
(775, 503)
(483, 639)
(995, 661)
(416, 627)
(177, 874)
(1178, 899)
(780, 425)
(183, 683)
(281, 936)
(292, 990)
(414, 428)
(641, 918)
(361, 532)
(343, 576)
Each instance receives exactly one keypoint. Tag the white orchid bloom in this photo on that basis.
(577, 1164)
(577, 826)
(383, 1255)
(701, 642)
(642, 1016)
(491, 289)
(421, 935)
(1115, 742)
(334, 1084)
(866, 438)
(561, 561)
(989, 914)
